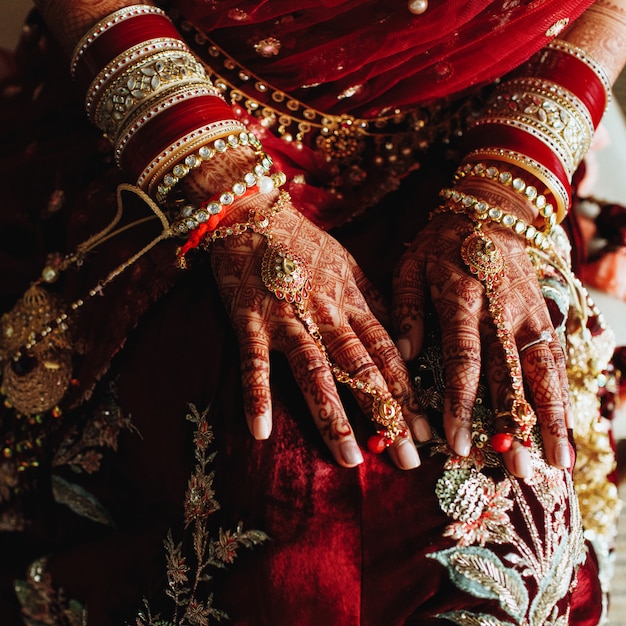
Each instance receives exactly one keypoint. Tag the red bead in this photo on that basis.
(502, 442)
(377, 443)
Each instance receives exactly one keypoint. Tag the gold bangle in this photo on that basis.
(518, 184)
(124, 61)
(182, 147)
(144, 82)
(534, 168)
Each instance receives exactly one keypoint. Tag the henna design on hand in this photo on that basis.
(354, 338)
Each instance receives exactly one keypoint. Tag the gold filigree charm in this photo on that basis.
(37, 353)
(285, 274)
(483, 258)
(339, 137)
(387, 415)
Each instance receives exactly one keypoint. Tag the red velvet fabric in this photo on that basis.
(347, 546)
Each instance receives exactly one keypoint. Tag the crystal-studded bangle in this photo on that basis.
(518, 184)
(562, 124)
(147, 81)
(125, 61)
(481, 211)
(190, 217)
(205, 153)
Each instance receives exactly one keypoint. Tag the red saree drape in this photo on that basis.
(347, 547)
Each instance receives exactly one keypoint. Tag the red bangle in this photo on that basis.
(117, 40)
(575, 76)
(500, 136)
(153, 136)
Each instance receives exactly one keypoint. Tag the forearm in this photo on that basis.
(601, 32)
(69, 20)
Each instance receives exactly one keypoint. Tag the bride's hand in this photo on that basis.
(353, 337)
(433, 268)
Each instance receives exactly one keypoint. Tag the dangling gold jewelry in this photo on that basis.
(484, 259)
(36, 351)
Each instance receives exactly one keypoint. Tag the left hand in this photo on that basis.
(432, 267)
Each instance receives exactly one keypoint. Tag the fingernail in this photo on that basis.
(407, 455)
(563, 455)
(351, 453)
(404, 348)
(261, 427)
(421, 429)
(523, 464)
(462, 442)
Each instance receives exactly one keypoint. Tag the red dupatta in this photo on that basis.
(362, 57)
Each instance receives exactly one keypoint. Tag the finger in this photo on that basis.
(545, 387)
(255, 378)
(375, 301)
(561, 366)
(497, 374)
(317, 384)
(387, 358)
(459, 305)
(461, 358)
(347, 351)
(408, 304)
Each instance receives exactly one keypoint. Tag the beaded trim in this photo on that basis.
(481, 211)
(337, 135)
(545, 208)
(205, 153)
(123, 61)
(105, 24)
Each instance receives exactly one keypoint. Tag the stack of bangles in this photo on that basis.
(152, 99)
(536, 128)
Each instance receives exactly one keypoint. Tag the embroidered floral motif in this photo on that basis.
(478, 505)
(43, 604)
(187, 574)
(535, 565)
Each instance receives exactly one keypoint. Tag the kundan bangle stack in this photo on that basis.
(151, 97)
(148, 93)
(542, 120)
(536, 128)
